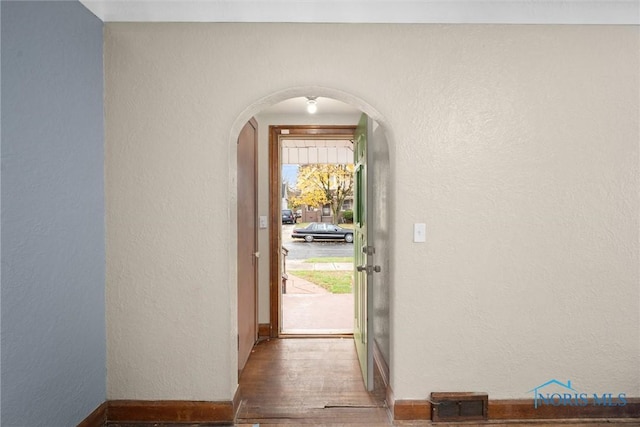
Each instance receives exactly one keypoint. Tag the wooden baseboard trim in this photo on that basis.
(381, 364)
(411, 410)
(264, 330)
(97, 418)
(521, 409)
(170, 411)
(382, 372)
(237, 399)
(524, 409)
(391, 402)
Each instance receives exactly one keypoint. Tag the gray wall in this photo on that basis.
(53, 256)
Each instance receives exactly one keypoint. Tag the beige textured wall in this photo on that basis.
(516, 145)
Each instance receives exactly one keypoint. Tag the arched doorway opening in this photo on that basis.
(270, 287)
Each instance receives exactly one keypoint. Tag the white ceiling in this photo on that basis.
(299, 106)
(371, 11)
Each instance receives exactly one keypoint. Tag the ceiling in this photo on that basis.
(617, 12)
(298, 105)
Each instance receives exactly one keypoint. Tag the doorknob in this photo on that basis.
(256, 254)
(369, 268)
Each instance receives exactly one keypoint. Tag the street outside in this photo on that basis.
(301, 250)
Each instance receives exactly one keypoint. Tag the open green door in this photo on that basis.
(363, 257)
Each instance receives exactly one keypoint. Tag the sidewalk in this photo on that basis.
(293, 264)
(308, 308)
(298, 285)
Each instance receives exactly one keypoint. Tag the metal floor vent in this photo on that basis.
(459, 406)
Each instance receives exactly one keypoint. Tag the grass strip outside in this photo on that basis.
(336, 282)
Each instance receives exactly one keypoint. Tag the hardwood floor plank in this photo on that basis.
(307, 381)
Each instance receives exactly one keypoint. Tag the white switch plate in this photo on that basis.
(419, 232)
(263, 221)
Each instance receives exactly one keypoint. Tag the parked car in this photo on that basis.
(323, 231)
(287, 216)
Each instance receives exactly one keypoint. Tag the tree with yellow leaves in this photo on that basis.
(321, 184)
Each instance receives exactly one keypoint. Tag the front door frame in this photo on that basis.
(276, 133)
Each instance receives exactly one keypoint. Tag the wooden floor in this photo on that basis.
(317, 382)
(313, 381)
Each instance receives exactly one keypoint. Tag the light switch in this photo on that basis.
(263, 221)
(420, 232)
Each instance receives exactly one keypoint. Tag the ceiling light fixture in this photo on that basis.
(312, 104)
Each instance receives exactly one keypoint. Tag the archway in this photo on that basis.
(383, 176)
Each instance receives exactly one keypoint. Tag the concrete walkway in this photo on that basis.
(310, 309)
